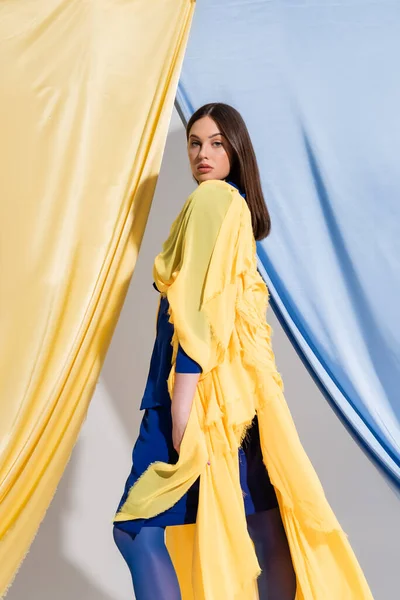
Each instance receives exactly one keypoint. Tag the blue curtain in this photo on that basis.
(317, 85)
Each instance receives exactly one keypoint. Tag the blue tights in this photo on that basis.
(154, 576)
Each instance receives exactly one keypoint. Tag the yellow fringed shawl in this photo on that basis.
(218, 302)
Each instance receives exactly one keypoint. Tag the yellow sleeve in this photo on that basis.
(193, 268)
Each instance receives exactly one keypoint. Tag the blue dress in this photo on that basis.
(154, 442)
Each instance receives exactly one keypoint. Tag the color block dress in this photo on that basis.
(154, 442)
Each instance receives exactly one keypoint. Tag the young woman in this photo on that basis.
(215, 426)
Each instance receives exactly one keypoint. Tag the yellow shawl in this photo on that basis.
(218, 302)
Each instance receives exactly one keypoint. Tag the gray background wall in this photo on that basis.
(73, 555)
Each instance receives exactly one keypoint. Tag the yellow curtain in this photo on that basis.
(87, 91)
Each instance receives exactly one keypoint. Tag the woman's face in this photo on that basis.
(207, 146)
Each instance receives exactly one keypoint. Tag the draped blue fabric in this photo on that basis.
(317, 85)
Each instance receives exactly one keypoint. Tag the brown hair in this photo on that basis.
(244, 169)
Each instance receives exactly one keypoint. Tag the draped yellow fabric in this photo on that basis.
(218, 302)
(87, 92)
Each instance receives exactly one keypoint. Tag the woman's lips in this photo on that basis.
(204, 169)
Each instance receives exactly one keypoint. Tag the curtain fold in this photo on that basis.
(314, 83)
(87, 91)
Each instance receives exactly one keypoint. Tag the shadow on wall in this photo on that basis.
(128, 360)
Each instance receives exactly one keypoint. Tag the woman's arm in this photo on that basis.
(182, 269)
(187, 373)
(182, 399)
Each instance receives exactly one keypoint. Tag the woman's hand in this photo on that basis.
(182, 399)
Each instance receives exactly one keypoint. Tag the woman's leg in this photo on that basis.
(149, 562)
(277, 580)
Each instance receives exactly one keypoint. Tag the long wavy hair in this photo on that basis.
(244, 170)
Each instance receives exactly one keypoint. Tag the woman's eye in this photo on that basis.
(197, 143)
